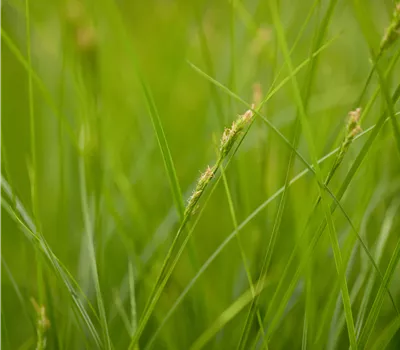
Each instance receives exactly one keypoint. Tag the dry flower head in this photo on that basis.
(353, 126)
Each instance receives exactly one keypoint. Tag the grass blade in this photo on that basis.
(89, 230)
(163, 144)
(289, 289)
(132, 297)
(228, 315)
(308, 136)
(41, 86)
(232, 235)
(27, 226)
(386, 335)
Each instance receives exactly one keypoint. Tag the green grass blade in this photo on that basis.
(32, 127)
(318, 39)
(228, 315)
(380, 244)
(270, 248)
(289, 289)
(169, 262)
(17, 292)
(244, 16)
(116, 19)
(274, 90)
(89, 230)
(231, 236)
(27, 226)
(210, 69)
(240, 245)
(132, 298)
(387, 335)
(41, 86)
(365, 25)
(276, 247)
(163, 144)
(192, 282)
(379, 298)
(279, 86)
(4, 332)
(312, 151)
(320, 33)
(122, 313)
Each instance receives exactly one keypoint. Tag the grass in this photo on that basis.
(110, 236)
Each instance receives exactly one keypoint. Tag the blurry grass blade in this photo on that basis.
(18, 205)
(270, 248)
(182, 295)
(246, 18)
(238, 98)
(298, 37)
(228, 239)
(17, 291)
(122, 313)
(242, 252)
(117, 20)
(132, 297)
(162, 142)
(380, 244)
(379, 298)
(92, 253)
(228, 140)
(289, 289)
(42, 87)
(320, 33)
(272, 92)
(210, 68)
(4, 331)
(39, 242)
(309, 138)
(227, 315)
(386, 335)
(313, 58)
(352, 171)
(32, 127)
(365, 24)
(256, 112)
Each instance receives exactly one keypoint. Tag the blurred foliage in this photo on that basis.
(88, 106)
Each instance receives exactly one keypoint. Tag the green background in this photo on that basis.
(96, 166)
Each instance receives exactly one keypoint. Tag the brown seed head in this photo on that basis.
(248, 115)
(355, 115)
(353, 123)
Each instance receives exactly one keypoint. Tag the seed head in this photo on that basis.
(228, 138)
(202, 183)
(353, 129)
(41, 313)
(393, 31)
(208, 174)
(353, 125)
(231, 134)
